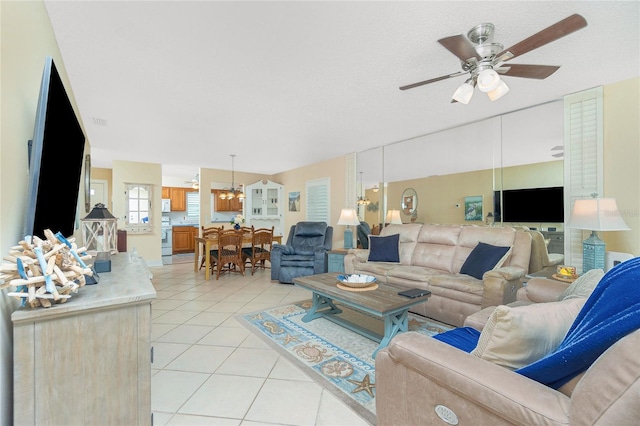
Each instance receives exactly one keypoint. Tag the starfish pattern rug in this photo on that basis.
(333, 356)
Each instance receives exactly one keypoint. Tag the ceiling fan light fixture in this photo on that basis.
(488, 80)
(499, 91)
(464, 92)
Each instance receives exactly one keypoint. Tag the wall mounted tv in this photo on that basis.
(55, 160)
(533, 205)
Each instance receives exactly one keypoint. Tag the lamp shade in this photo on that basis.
(499, 91)
(488, 80)
(597, 214)
(348, 217)
(464, 92)
(393, 216)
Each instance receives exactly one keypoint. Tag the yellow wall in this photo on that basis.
(27, 37)
(148, 246)
(295, 180)
(104, 174)
(441, 198)
(622, 161)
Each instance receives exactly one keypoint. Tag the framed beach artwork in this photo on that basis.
(473, 208)
(294, 201)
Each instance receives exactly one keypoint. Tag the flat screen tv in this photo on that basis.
(533, 205)
(55, 160)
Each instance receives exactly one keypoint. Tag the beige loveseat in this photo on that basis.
(420, 380)
(431, 257)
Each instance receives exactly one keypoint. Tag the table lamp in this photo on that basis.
(393, 216)
(595, 214)
(348, 217)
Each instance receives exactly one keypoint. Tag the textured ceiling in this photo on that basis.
(287, 84)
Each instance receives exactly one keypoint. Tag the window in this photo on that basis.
(317, 201)
(138, 202)
(193, 204)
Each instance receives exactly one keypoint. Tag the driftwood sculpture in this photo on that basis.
(44, 271)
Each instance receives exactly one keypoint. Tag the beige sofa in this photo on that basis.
(416, 374)
(418, 378)
(431, 257)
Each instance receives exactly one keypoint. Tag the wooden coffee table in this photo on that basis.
(382, 302)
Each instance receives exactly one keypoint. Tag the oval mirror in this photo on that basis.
(409, 202)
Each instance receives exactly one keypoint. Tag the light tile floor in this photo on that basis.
(210, 370)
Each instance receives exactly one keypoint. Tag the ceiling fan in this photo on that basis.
(484, 60)
(195, 182)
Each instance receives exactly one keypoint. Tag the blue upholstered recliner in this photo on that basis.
(304, 254)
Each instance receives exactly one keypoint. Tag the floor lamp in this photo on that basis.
(595, 214)
(348, 217)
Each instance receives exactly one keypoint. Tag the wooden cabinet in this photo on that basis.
(265, 205)
(184, 239)
(166, 192)
(232, 205)
(178, 199)
(87, 361)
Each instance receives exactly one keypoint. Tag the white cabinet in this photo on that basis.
(87, 361)
(264, 205)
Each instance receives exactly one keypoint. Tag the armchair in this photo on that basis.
(593, 377)
(305, 252)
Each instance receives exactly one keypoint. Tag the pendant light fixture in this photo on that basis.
(362, 200)
(233, 192)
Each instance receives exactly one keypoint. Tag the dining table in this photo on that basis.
(210, 243)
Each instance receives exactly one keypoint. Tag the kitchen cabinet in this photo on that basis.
(87, 361)
(184, 239)
(166, 192)
(178, 199)
(232, 205)
(265, 205)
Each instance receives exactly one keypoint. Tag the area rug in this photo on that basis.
(333, 356)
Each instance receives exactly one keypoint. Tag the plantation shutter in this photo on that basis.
(317, 200)
(193, 204)
(583, 161)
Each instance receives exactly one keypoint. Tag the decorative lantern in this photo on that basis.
(99, 230)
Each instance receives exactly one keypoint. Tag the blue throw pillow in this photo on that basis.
(384, 249)
(482, 259)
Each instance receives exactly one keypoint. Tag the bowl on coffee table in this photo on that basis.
(356, 280)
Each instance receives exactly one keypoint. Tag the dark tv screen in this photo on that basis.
(55, 160)
(533, 205)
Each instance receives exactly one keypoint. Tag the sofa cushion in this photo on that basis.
(384, 249)
(516, 337)
(483, 258)
(583, 286)
(408, 238)
(436, 247)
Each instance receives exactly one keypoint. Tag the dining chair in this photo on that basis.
(210, 232)
(260, 250)
(228, 254)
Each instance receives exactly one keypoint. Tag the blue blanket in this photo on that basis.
(610, 313)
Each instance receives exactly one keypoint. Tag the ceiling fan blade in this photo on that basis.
(433, 80)
(460, 46)
(554, 32)
(528, 71)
